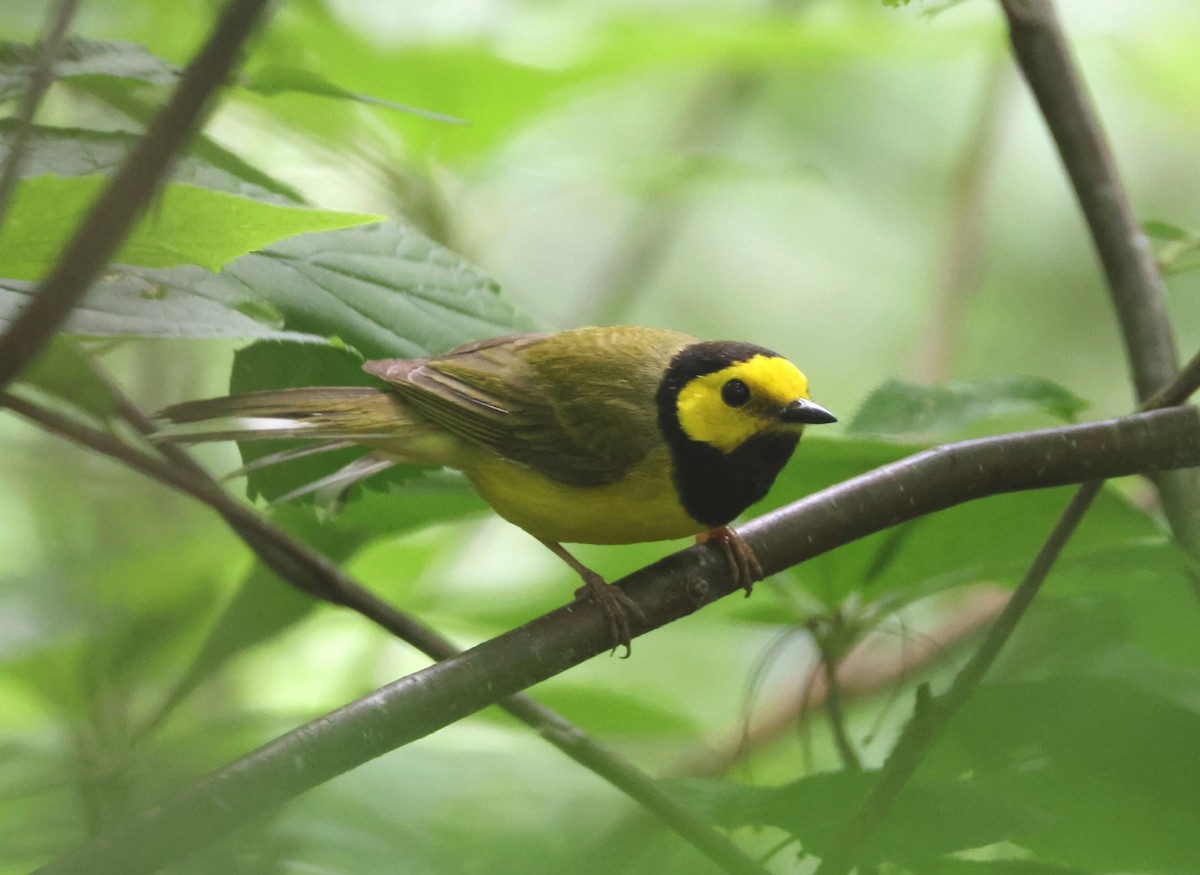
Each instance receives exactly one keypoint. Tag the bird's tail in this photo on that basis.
(333, 413)
(335, 417)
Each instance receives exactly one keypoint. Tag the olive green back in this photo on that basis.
(577, 406)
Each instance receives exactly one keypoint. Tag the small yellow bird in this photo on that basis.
(594, 435)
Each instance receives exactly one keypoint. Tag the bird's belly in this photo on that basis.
(641, 507)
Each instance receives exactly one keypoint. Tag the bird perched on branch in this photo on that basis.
(593, 435)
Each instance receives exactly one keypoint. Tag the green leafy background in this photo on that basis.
(788, 176)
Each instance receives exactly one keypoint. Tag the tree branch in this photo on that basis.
(130, 190)
(1134, 282)
(934, 713)
(314, 574)
(678, 585)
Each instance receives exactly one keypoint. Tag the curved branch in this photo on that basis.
(678, 585)
(1134, 282)
(126, 196)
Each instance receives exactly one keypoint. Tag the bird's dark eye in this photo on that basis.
(735, 393)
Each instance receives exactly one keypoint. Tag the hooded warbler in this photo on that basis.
(592, 435)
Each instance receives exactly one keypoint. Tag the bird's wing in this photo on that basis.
(577, 406)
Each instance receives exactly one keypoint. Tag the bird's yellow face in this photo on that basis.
(726, 408)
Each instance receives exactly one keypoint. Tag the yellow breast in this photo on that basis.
(640, 507)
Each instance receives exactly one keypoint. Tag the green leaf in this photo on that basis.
(1165, 231)
(897, 408)
(78, 152)
(1176, 249)
(607, 712)
(1110, 765)
(384, 289)
(64, 370)
(187, 225)
(279, 79)
(951, 866)
(930, 818)
(82, 58)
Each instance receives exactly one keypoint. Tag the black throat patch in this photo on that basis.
(714, 487)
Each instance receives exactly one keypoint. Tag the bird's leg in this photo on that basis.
(743, 564)
(617, 606)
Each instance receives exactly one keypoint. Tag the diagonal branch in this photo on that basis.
(678, 585)
(130, 190)
(934, 713)
(313, 573)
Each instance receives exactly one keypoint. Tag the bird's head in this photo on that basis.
(723, 394)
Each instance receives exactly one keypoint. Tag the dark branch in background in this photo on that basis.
(830, 664)
(130, 190)
(313, 573)
(934, 713)
(1135, 284)
(960, 264)
(709, 119)
(672, 588)
(41, 76)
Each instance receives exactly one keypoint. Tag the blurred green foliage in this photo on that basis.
(862, 186)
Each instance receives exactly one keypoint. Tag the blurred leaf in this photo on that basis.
(63, 369)
(608, 712)
(1165, 231)
(79, 152)
(187, 225)
(1110, 765)
(38, 813)
(1175, 249)
(473, 81)
(951, 866)
(84, 58)
(930, 818)
(1146, 586)
(133, 106)
(266, 605)
(278, 79)
(897, 408)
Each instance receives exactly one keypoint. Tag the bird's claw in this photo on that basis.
(743, 564)
(616, 605)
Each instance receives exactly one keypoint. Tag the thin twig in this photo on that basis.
(931, 718)
(1137, 291)
(130, 190)
(41, 76)
(710, 116)
(314, 574)
(837, 718)
(961, 259)
(866, 672)
(674, 587)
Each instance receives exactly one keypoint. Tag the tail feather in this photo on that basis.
(288, 455)
(326, 413)
(334, 417)
(331, 490)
